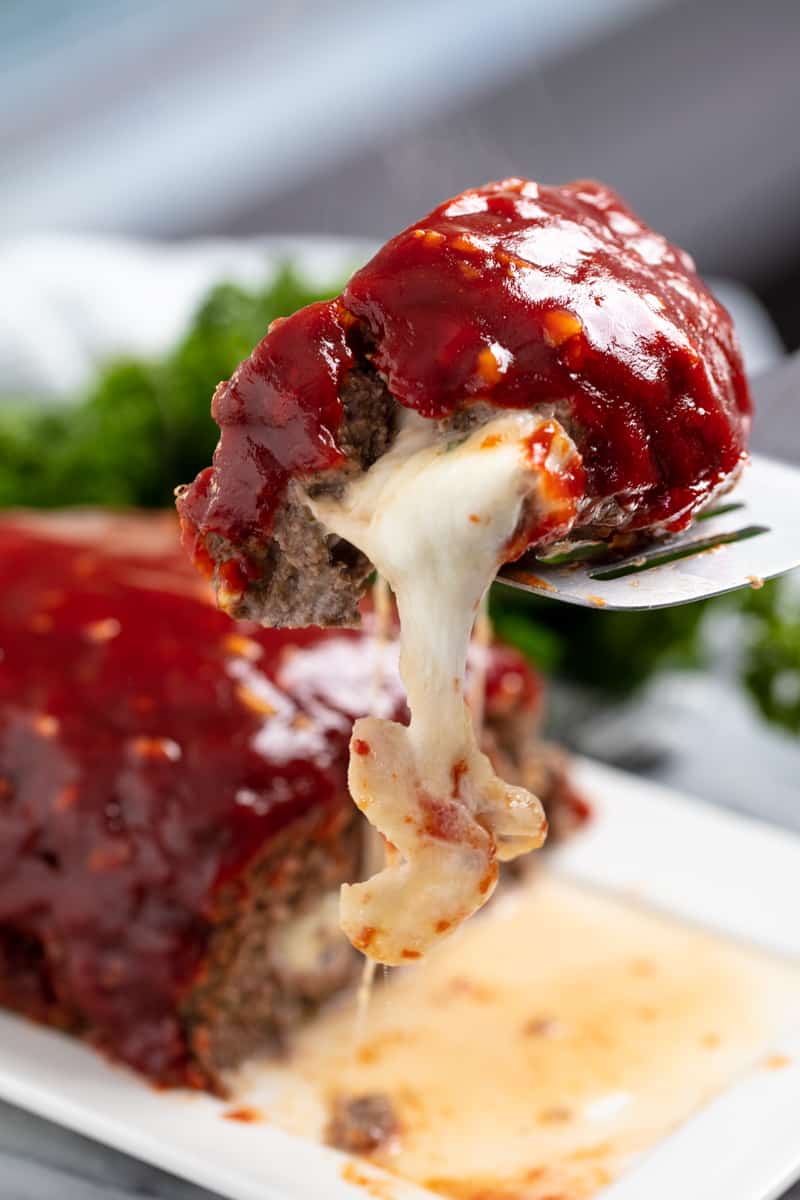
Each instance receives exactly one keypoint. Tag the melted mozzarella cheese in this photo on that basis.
(436, 520)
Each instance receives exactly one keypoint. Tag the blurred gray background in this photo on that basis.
(354, 116)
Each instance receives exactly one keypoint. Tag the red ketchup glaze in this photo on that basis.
(279, 414)
(149, 749)
(522, 294)
(512, 293)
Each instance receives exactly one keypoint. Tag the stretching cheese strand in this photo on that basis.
(436, 520)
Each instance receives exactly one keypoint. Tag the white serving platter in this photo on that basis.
(727, 873)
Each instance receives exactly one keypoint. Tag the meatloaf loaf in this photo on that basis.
(174, 816)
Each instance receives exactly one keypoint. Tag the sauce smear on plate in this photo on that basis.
(544, 1047)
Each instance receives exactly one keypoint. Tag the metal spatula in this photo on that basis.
(752, 534)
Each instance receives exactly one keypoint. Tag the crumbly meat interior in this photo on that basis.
(308, 575)
(276, 951)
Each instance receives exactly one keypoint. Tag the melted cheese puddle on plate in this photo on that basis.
(544, 1046)
(436, 519)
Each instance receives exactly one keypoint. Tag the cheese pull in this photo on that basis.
(436, 519)
(443, 850)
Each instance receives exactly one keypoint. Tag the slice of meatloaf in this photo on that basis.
(174, 817)
(558, 301)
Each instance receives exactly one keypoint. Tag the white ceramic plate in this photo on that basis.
(727, 873)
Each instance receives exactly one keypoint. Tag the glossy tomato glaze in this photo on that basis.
(518, 295)
(150, 749)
